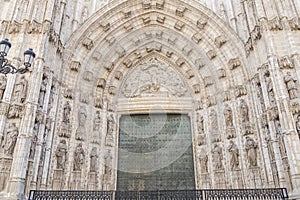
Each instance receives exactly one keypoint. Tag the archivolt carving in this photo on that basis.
(152, 78)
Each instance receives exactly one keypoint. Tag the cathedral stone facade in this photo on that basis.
(230, 68)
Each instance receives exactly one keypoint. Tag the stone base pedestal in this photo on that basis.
(5, 166)
(237, 179)
(205, 181)
(220, 180)
(93, 183)
(58, 179)
(255, 179)
(76, 181)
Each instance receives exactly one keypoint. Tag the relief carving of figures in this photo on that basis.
(217, 157)
(251, 149)
(298, 125)
(61, 154)
(154, 78)
(97, 121)
(15, 111)
(42, 91)
(203, 157)
(93, 160)
(66, 113)
(234, 155)
(78, 158)
(80, 132)
(11, 139)
(290, 82)
(109, 140)
(270, 91)
(20, 90)
(3, 82)
(228, 116)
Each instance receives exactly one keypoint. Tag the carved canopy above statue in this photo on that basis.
(154, 78)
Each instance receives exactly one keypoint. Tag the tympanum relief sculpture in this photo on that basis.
(154, 77)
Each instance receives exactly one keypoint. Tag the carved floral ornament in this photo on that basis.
(154, 78)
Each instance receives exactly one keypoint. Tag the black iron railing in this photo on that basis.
(224, 194)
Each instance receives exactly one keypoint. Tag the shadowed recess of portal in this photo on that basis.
(155, 153)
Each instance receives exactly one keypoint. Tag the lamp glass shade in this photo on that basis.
(29, 55)
(4, 47)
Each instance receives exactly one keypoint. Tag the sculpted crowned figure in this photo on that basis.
(250, 147)
(61, 154)
(290, 82)
(78, 157)
(3, 82)
(20, 90)
(234, 155)
(11, 139)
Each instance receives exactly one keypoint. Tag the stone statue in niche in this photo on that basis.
(250, 147)
(93, 160)
(244, 111)
(33, 146)
(108, 163)
(290, 82)
(217, 157)
(213, 120)
(66, 113)
(20, 90)
(203, 157)
(61, 154)
(298, 125)
(200, 125)
(228, 116)
(80, 132)
(3, 82)
(11, 139)
(270, 91)
(78, 157)
(234, 155)
(42, 91)
(51, 98)
(97, 121)
(109, 140)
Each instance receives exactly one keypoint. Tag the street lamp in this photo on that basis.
(6, 68)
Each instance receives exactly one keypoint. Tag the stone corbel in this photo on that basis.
(128, 26)
(120, 51)
(211, 101)
(196, 88)
(226, 96)
(180, 62)
(179, 25)
(148, 35)
(158, 47)
(240, 90)
(98, 102)
(146, 20)
(97, 55)
(159, 34)
(14, 27)
(34, 27)
(88, 43)
(84, 97)
(189, 74)
(68, 93)
(256, 33)
(202, 22)
(160, 4)
(101, 82)
(295, 23)
(286, 62)
(197, 37)
(146, 4)
(128, 63)
(221, 73)
(118, 75)
(234, 63)
(169, 54)
(112, 90)
(180, 11)
(161, 19)
(211, 54)
(220, 41)
(199, 63)
(248, 46)
(172, 40)
(109, 67)
(275, 24)
(127, 14)
(105, 26)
